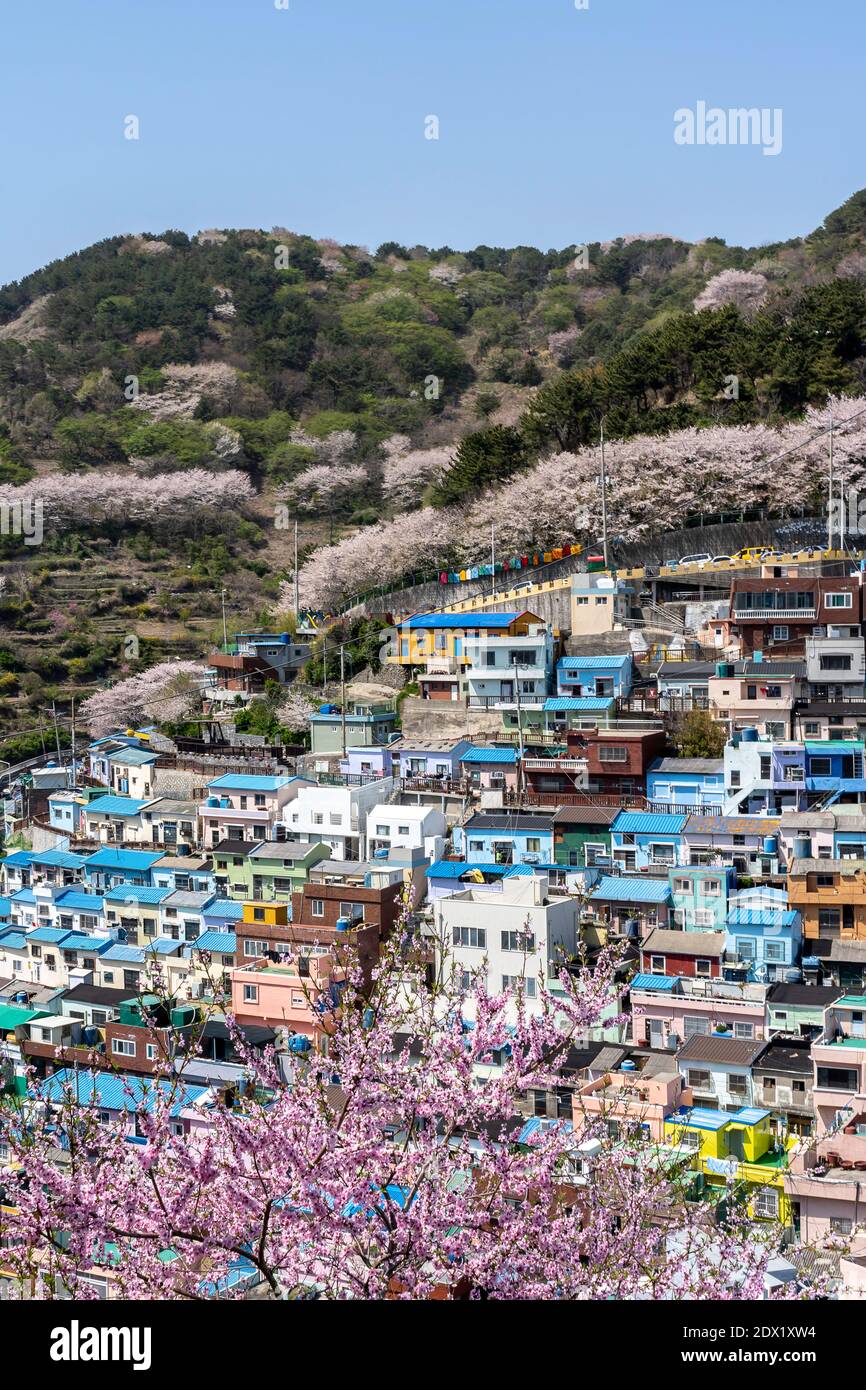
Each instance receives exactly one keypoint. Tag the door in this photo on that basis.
(656, 1033)
(506, 690)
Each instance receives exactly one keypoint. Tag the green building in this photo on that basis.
(581, 835)
(267, 871)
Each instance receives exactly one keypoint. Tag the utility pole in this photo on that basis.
(603, 500)
(492, 560)
(56, 732)
(297, 608)
(343, 695)
(72, 724)
(830, 510)
(519, 734)
(225, 630)
(324, 662)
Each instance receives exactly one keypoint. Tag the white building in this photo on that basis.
(335, 816)
(517, 933)
(836, 663)
(502, 666)
(406, 827)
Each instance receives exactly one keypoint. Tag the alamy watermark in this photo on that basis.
(741, 125)
(77, 1343)
(22, 519)
(847, 514)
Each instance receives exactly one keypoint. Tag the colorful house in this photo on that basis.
(490, 768)
(641, 838)
(686, 784)
(700, 895)
(581, 835)
(738, 1156)
(515, 838)
(595, 675)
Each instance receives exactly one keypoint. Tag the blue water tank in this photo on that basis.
(629, 1066)
(285, 638)
(327, 709)
(770, 844)
(213, 801)
(343, 924)
(749, 734)
(802, 847)
(299, 1043)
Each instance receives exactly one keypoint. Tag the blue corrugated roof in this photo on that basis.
(115, 806)
(163, 945)
(489, 755)
(133, 757)
(578, 663)
(125, 953)
(136, 892)
(108, 1091)
(110, 858)
(834, 745)
(5, 905)
(662, 984)
(761, 917)
(701, 1117)
(73, 901)
(220, 942)
(587, 703)
(52, 936)
(537, 1126)
(227, 910)
(831, 784)
(243, 783)
(22, 859)
(23, 895)
(463, 621)
(60, 859)
(455, 868)
(80, 941)
(648, 823)
(13, 941)
(622, 889)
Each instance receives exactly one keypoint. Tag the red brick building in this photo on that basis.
(775, 616)
(695, 954)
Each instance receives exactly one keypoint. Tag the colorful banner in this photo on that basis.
(517, 562)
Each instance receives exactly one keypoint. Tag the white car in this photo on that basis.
(723, 559)
(696, 560)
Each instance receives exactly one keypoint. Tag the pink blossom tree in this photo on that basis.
(382, 1170)
(167, 692)
(745, 289)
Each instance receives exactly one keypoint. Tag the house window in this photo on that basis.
(829, 919)
(517, 941)
(255, 948)
(692, 1025)
(738, 1084)
(703, 967)
(130, 979)
(476, 937)
(354, 911)
(746, 947)
(841, 1225)
(766, 1204)
(151, 1051)
(317, 907)
(612, 753)
(123, 1047)
(251, 994)
(682, 885)
(657, 965)
(774, 950)
(593, 853)
(838, 600)
(533, 844)
(512, 982)
(780, 633)
(744, 1030)
(662, 852)
(699, 1080)
(711, 888)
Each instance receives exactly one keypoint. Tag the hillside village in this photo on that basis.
(667, 762)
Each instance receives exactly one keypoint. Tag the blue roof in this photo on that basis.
(662, 984)
(536, 1126)
(587, 703)
(648, 823)
(134, 757)
(700, 1117)
(110, 858)
(13, 940)
(455, 868)
(108, 1091)
(243, 783)
(761, 917)
(73, 901)
(115, 806)
(163, 945)
(23, 895)
(59, 858)
(5, 905)
(226, 910)
(832, 784)
(489, 755)
(22, 858)
(622, 889)
(126, 953)
(80, 941)
(136, 892)
(225, 942)
(463, 621)
(52, 936)
(577, 663)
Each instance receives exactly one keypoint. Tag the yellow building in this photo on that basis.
(738, 1147)
(440, 637)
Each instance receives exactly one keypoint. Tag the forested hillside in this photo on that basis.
(191, 397)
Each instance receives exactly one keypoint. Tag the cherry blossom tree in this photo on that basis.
(165, 693)
(407, 472)
(382, 1170)
(743, 288)
(68, 502)
(325, 486)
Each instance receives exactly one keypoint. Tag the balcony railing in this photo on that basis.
(762, 614)
(506, 701)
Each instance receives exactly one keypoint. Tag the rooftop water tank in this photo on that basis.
(629, 1066)
(20, 998)
(749, 734)
(724, 669)
(802, 847)
(184, 1016)
(327, 709)
(285, 637)
(213, 801)
(343, 924)
(770, 844)
(299, 1043)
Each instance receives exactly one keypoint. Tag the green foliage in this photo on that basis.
(700, 737)
(488, 456)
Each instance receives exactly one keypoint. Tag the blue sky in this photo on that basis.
(556, 124)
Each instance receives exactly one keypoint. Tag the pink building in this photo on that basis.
(817, 827)
(297, 996)
(668, 1009)
(632, 1097)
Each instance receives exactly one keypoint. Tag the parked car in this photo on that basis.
(695, 560)
(723, 559)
